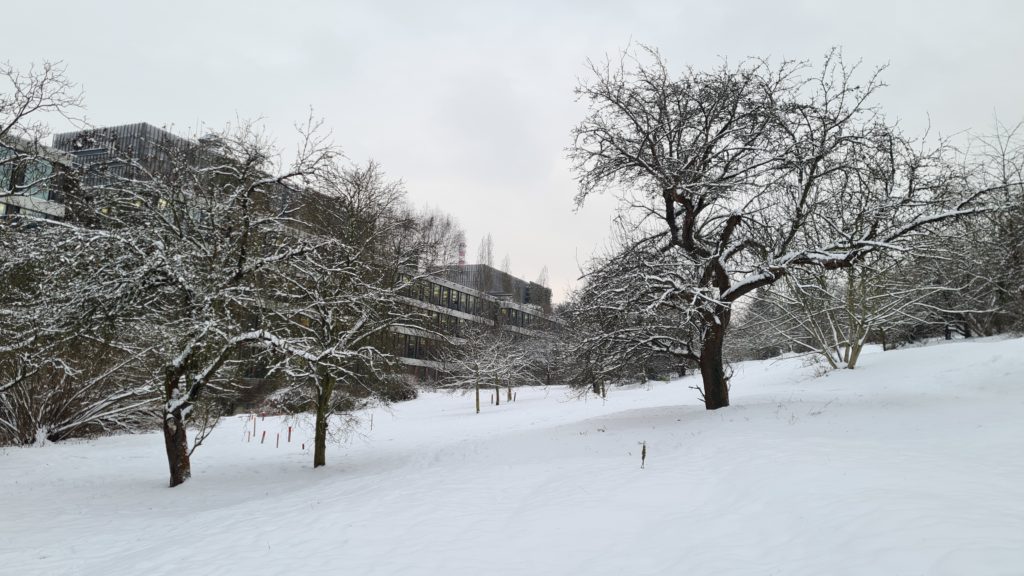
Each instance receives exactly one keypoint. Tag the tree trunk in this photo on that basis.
(854, 356)
(323, 401)
(175, 437)
(497, 395)
(320, 439)
(858, 345)
(478, 397)
(712, 368)
(176, 442)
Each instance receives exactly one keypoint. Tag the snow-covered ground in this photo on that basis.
(911, 464)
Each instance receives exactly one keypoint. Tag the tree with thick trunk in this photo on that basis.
(734, 177)
(712, 364)
(323, 405)
(189, 250)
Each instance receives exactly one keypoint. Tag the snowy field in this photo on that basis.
(911, 464)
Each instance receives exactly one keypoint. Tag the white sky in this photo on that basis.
(471, 103)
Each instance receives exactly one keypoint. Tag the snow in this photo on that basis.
(910, 464)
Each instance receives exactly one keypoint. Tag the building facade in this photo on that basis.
(132, 151)
(454, 304)
(33, 179)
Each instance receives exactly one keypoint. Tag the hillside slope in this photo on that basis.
(910, 464)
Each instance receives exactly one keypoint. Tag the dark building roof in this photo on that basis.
(146, 145)
(489, 280)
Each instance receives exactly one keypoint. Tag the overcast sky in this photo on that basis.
(471, 103)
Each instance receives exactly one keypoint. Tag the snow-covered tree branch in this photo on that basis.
(745, 173)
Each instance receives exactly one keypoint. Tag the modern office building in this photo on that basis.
(142, 151)
(33, 179)
(470, 295)
(134, 151)
(502, 285)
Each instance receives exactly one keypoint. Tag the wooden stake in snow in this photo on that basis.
(643, 455)
(263, 438)
(277, 444)
(289, 434)
(254, 425)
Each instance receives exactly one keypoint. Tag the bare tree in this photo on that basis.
(833, 313)
(439, 237)
(485, 254)
(63, 370)
(542, 278)
(191, 248)
(506, 276)
(986, 255)
(481, 357)
(86, 387)
(958, 278)
(747, 172)
(27, 97)
(336, 304)
(617, 328)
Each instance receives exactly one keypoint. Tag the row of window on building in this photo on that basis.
(454, 299)
(418, 347)
(446, 297)
(523, 319)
